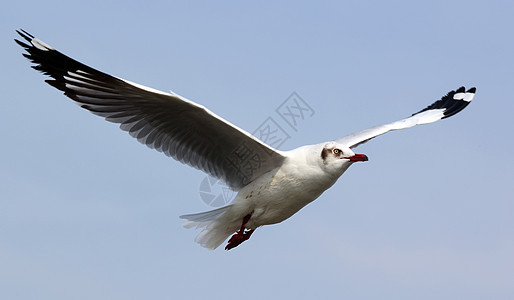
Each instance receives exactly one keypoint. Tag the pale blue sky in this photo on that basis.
(86, 212)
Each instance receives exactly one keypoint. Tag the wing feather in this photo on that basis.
(179, 128)
(447, 106)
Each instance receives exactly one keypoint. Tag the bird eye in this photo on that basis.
(336, 151)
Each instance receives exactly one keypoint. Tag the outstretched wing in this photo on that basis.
(449, 105)
(180, 128)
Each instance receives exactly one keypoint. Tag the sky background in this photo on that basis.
(86, 212)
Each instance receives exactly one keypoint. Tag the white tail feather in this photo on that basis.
(205, 216)
(214, 232)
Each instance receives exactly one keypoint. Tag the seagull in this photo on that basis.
(271, 185)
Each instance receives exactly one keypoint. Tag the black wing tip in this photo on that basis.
(53, 63)
(458, 101)
(453, 102)
(26, 36)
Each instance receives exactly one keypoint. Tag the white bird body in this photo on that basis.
(299, 181)
(272, 185)
(276, 195)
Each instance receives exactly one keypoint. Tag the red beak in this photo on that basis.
(358, 157)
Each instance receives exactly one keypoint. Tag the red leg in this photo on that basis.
(241, 235)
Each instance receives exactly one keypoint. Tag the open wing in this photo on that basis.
(180, 128)
(449, 105)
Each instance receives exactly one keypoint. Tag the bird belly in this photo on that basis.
(274, 198)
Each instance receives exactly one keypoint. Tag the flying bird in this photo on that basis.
(271, 185)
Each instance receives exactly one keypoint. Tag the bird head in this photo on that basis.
(336, 157)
